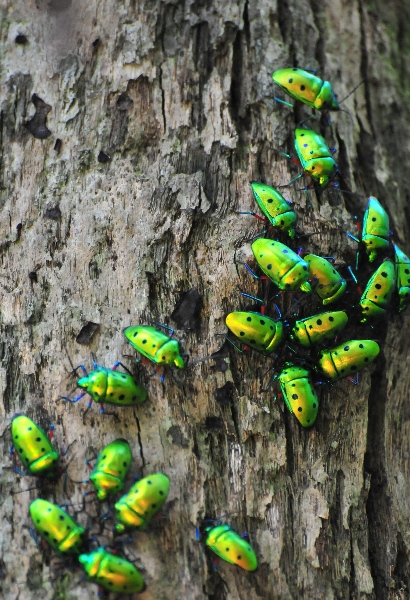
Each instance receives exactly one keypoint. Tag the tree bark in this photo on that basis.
(129, 133)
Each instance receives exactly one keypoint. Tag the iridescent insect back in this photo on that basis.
(56, 526)
(299, 394)
(307, 88)
(112, 572)
(284, 267)
(111, 468)
(155, 345)
(378, 293)
(230, 546)
(326, 282)
(347, 358)
(315, 157)
(260, 332)
(402, 277)
(34, 448)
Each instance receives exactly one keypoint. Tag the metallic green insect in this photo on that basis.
(347, 358)
(155, 345)
(283, 266)
(230, 546)
(326, 282)
(143, 501)
(299, 394)
(111, 468)
(56, 526)
(112, 572)
(256, 330)
(109, 386)
(319, 328)
(314, 155)
(375, 233)
(378, 293)
(35, 450)
(306, 87)
(403, 277)
(275, 208)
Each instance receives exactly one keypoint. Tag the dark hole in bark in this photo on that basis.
(37, 124)
(87, 332)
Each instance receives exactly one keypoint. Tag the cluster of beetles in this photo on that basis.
(300, 349)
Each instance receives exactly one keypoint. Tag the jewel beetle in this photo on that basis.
(378, 293)
(403, 277)
(314, 155)
(375, 232)
(230, 546)
(155, 345)
(307, 88)
(112, 572)
(299, 394)
(56, 526)
(143, 501)
(283, 266)
(347, 358)
(319, 328)
(326, 282)
(256, 330)
(35, 450)
(111, 468)
(275, 208)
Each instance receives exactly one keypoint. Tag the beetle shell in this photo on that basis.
(256, 330)
(112, 387)
(230, 546)
(274, 207)
(112, 572)
(314, 155)
(283, 266)
(403, 277)
(299, 394)
(56, 526)
(142, 502)
(319, 328)
(327, 283)
(347, 358)
(307, 88)
(154, 345)
(35, 450)
(111, 468)
(377, 295)
(375, 234)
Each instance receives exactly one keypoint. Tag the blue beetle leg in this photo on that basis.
(12, 450)
(357, 260)
(82, 367)
(291, 182)
(215, 564)
(119, 363)
(68, 448)
(163, 374)
(250, 212)
(19, 472)
(352, 237)
(76, 399)
(165, 327)
(33, 535)
(349, 268)
(354, 380)
(233, 344)
(283, 153)
(283, 102)
(51, 432)
(247, 267)
(87, 409)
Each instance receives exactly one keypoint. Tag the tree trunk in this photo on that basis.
(130, 131)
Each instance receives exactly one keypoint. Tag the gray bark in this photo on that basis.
(165, 112)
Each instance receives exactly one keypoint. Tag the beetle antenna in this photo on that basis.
(353, 90)
(304, 120)
(347, 112)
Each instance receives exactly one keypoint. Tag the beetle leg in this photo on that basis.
(76, 399)
(250, 212)
(283, 102)
(291, 182)
(165, 327)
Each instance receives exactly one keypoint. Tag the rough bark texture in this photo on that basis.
(129, 132)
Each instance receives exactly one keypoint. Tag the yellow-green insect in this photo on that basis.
(155, 345)
(319, 328)
(326, 282)
(375, 234)
(230, 546)
(275, 208)
(403, 277)
(299, 394)
(111, 468)
(143, 501)
(306, 87)
(314, 155)
(347, 358)
(35, 450)
(377, 295)
(56, 526)
(256, 330)
(112, 572)
(283, 266)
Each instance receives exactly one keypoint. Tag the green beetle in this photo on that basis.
(375, 233)
(403, 277)
(326, 282)
(283, 266)
(155, 345)
(347, 358)
(109, 386)
(319, 328)
(377, 295)
(143, 501)
(314, 155)
(111, 468)
(306, 87)
(256, 330)
(299, 394)
(35, 450)
(56, 526)
(112, 572)
(275, 208)
(230, 546)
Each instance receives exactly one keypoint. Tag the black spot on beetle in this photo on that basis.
(103, 157)
(384, 274)
(378, 286)
(37, 124)
(121, 397)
